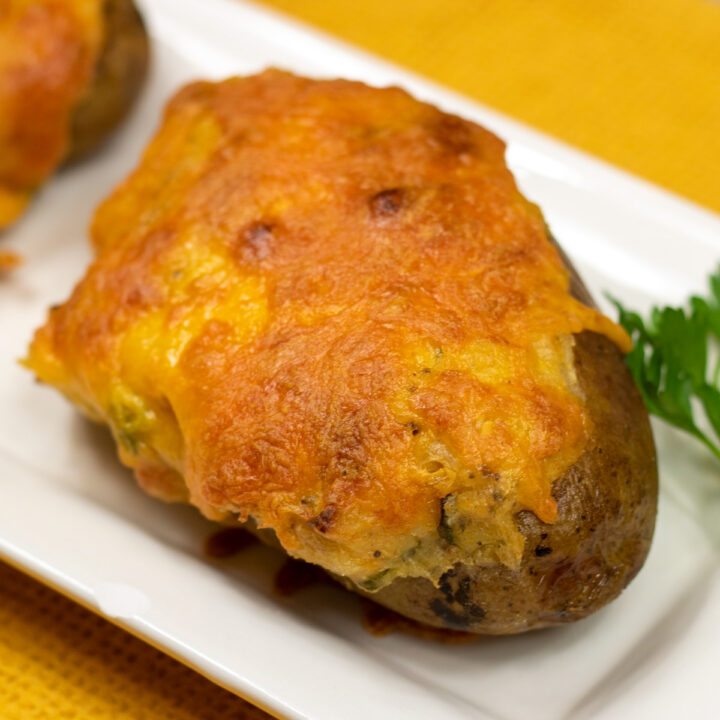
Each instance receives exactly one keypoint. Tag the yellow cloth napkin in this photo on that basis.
(59, 661)
(636, 82)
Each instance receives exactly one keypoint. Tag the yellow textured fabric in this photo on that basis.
(60, 661)
(636, 82)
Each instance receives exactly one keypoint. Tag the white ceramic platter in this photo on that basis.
(72, 517)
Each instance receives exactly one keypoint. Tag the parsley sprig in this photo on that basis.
(670, 358)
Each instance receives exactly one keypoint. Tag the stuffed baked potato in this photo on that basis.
(325, 311)
(69, 71)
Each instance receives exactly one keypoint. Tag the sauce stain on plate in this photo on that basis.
(228, 542)
(296, 575)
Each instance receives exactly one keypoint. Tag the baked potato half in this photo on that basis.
(69, 72)
(325, 311)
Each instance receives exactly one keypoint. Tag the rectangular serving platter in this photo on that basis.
(72, 517)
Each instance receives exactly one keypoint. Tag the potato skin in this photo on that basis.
(607, 503)
(119, 75)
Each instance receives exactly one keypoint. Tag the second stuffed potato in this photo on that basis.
(69, 71)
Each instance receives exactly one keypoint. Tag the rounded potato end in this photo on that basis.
(607, 503)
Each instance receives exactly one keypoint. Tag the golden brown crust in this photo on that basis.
(327, 308)
(68, 71)
(607, 504)
(47, 53)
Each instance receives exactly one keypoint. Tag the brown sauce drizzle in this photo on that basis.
(381, 621)
(228, 542)
(296, 575)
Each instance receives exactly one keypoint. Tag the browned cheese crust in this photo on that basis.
(69, 72)
(607, 503)
(326, 310)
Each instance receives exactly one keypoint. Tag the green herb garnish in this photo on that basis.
(669, 362)
(131, 418)
(374, 582)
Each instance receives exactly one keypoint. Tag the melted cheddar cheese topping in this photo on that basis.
(48, 51)
(326, 307)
